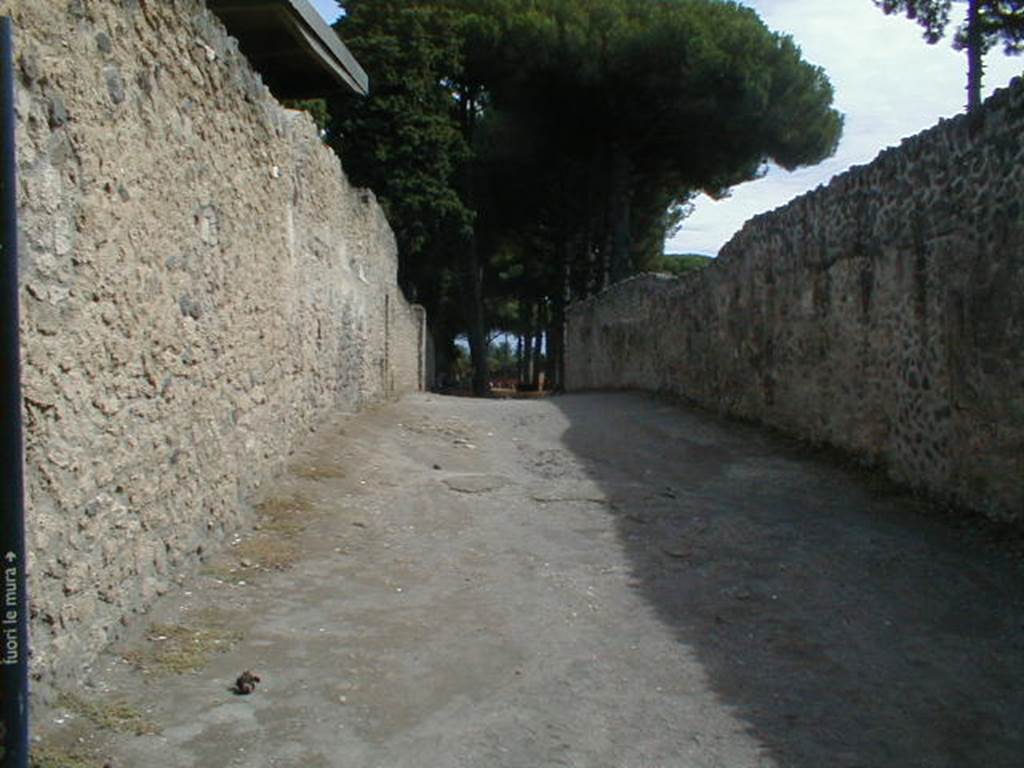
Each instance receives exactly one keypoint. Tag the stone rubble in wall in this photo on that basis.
(189, 304)
(882, 314)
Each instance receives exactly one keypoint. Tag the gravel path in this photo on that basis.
(600, 580)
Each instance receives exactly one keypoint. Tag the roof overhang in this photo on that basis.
(296, 53)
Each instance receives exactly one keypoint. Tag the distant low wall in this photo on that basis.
(200, 283)
(883, 314)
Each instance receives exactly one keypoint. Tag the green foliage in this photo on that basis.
(316, 108)
(681, 263)
(503, 362)
(526, 150)
(402, 141)
(998, 21)
(626, 108)
(987, 24)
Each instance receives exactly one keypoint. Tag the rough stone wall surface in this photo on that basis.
(883, 314)
(199, 283)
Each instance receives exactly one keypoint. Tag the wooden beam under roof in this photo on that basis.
(294, 50)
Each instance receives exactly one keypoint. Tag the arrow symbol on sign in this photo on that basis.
(10, 557)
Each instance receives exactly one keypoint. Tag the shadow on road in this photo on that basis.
(842, 626)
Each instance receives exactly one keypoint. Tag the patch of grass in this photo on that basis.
(177, 649)
(280, 520)
(268, 552)
(319, 470)
(284, 515)
(221, 568)
(111, 716)
(312, 760)
(55, 757)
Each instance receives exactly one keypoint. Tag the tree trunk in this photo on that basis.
(519, 356)
(443, 344)
(524, 368)
(556, 328)
(621, 266)
(477, 324)
(528, 332)
(556, 346)
(975, 54)
(593, 284)
(525, 345)
(538, 346)
(473, 275)
(605, 273)
(593, 232)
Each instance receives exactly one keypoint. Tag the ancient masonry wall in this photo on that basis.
(883, 314)
(199, 283)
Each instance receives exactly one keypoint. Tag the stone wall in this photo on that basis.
(200, 283)
(882, 314)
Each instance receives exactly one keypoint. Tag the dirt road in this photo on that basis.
(589, 580)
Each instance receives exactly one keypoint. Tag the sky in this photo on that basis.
(328, 9)
(889, 84)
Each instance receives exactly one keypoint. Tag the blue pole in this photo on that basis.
(13, 603)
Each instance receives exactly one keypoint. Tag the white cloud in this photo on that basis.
(889, 83)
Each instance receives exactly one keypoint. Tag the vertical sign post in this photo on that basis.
(13, 604)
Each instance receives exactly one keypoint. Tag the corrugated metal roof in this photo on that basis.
(296, 53)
